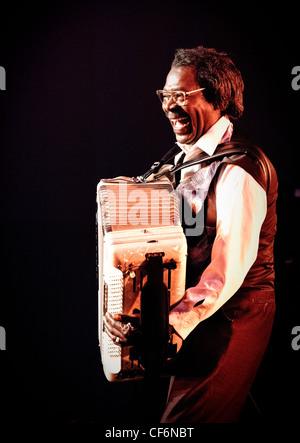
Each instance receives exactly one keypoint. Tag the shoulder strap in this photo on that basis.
(233, 149)
(238, 151)
(157, 165)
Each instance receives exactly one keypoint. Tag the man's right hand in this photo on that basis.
(120, 327)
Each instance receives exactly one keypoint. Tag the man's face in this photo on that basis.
(192, 120)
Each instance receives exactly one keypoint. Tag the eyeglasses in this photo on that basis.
(179, 97)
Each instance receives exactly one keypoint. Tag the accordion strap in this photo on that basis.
(206, 159)
(239, 147)
(157, 165)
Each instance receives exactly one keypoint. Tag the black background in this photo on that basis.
(79, 106)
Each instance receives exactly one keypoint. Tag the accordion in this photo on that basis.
(133, 221)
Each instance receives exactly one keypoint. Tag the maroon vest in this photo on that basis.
(261, 274)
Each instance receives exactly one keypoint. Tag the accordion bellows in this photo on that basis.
(134, 219)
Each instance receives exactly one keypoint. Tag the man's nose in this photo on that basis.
(169, 105)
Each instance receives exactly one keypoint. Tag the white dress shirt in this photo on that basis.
(241, 205)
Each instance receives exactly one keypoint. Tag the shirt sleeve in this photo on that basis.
(241, 209)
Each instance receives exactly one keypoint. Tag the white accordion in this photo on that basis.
(134, 219)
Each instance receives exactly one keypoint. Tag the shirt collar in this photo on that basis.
(220, 132)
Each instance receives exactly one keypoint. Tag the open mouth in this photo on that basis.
(180, 125)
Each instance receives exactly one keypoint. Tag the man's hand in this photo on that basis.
(123, 329)
(120, 327)
(176, 339)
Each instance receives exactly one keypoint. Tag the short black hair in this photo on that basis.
(216, 72)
